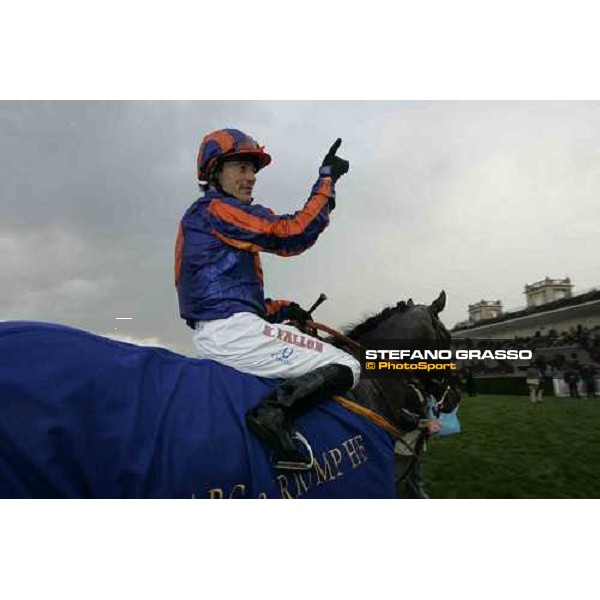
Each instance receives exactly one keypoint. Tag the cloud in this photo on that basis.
(477, 198)
(45, 276)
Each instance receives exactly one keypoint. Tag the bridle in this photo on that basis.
(446, 380)
(355, 349)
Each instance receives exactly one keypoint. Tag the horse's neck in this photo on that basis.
(368, 394)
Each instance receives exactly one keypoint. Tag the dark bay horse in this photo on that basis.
(86, 416)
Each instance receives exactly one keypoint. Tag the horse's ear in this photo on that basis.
(401, 305)
(410, 303)
(438, 305)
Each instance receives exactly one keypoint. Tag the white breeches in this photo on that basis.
(250, 344)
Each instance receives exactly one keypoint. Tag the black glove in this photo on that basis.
(298, 314)
(333, 166)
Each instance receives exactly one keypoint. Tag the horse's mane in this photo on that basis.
(354, 331)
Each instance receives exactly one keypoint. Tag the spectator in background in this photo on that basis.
(470, 382)
(534, 382)
(540, 363)
(571, 378)
(587, 375)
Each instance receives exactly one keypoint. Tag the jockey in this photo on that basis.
(219, 282)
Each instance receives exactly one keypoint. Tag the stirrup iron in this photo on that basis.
(298, 466)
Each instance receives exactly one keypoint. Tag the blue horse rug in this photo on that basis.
(84, 416)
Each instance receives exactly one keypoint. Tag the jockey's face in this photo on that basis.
(237, 178)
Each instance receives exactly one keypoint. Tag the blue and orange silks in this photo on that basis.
(217, 265)
(277, 310)
(86, 416)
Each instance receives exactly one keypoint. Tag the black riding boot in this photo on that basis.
(272, 420)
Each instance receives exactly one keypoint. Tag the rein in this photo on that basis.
(340, 337)
(367, 413)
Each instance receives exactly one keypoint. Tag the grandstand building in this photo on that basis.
(548, 290)
(562, 329)
(551, 309)
(485, 309)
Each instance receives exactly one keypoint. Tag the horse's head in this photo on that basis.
(420, 324)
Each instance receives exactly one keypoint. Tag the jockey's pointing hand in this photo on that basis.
(333, 166)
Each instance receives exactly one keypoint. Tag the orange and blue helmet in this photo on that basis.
(226, 143)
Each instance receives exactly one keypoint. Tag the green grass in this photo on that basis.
(510, 448)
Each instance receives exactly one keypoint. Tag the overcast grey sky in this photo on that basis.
(477, 198)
